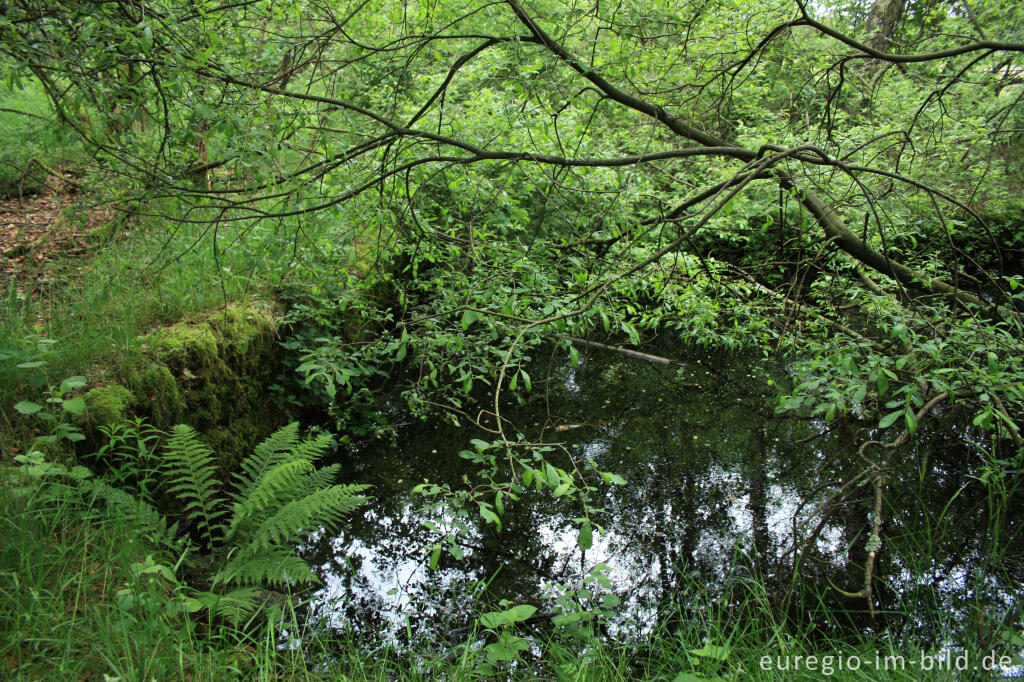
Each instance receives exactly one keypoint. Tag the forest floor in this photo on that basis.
(46, 233)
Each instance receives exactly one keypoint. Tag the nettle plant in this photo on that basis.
(55, 413)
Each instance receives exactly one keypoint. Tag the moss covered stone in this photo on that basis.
(212, 373)
(107, 405)
(184, 347)
(247, 336)
(154, 383)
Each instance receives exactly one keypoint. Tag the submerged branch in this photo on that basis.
(625, 351)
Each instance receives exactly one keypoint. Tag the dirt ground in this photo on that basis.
(42, 233)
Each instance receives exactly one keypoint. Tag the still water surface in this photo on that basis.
(716, 485)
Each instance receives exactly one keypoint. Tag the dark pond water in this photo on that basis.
(716, 485)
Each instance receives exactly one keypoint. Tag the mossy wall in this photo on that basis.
(210, 373)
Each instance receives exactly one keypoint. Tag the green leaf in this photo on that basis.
(614, 479)
(719, 653)
(468, 318)
(490, 516)
(634, 338)
(883, 383)
(516, 614)
(889, 419)
(72, 383)
(911, 421)
(586, 539)
(27, 407)
(75, 406)
(1011, 637)
(435, 557)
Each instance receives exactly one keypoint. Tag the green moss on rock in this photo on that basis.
(156, 386)
(212, 373)
(247, 337)
(107, 405)
(184, 347)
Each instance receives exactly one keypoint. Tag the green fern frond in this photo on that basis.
(148, 518)
(277, 448)
(190, 475)
(315, 447)
(278, 568)
(269, 493)
(279, 498)
(323, 508)
(315, 480)
(234, 606)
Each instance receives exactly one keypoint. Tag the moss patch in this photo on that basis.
(212, 374)
(184, 347)
(155, 384)
(107, 405)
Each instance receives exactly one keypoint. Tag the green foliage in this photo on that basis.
(57, 414)
(21, 173)
(279, 498)
(505, 214)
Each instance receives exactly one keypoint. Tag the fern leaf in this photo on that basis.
(323, 508)
(235, 606)
(277, 448)
(149, 520)
(315, 480)
(314, 448)
(271, 492)
(190, 473)
(279, 568)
